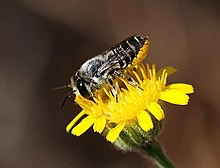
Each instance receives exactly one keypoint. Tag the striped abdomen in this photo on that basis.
(132, 50)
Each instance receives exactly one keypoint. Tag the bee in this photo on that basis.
(103, 68)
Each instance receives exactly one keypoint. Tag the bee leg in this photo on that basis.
(91, 92)
(131, 81)
(114, 90)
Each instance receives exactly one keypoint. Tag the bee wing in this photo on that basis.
(112, 60)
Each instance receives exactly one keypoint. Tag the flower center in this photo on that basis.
(131, 99)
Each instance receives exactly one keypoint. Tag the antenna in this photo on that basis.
(68, 95)
(61, 87)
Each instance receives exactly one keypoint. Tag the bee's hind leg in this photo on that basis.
(131, 81)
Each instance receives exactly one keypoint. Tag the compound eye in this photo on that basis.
(81, 85)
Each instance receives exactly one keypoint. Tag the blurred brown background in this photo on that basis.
(42, 43)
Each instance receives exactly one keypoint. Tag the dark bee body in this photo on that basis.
(98, 71)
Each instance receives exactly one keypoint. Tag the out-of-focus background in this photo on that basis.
(42, 43)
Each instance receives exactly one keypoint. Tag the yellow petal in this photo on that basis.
(99, 124)
(174, 96)
(114, 132)
(145, 121)
(156, 110)
(169, 70)
(182, 87)
(84, 125)
(73, 122)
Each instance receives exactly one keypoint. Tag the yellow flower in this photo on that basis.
(135, 104)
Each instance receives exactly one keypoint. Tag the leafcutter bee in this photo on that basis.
(103, 68)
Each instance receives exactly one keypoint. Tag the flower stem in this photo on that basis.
(156, 153)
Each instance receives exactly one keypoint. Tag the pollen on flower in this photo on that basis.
(134, 104)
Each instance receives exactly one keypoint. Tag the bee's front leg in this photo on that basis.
(114, 90)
